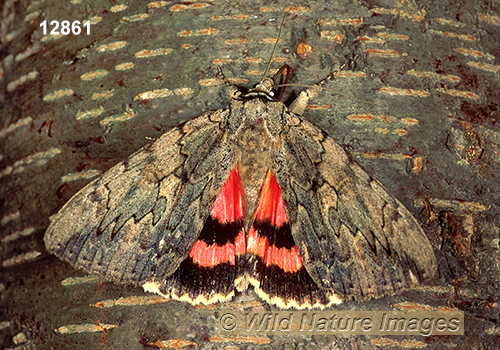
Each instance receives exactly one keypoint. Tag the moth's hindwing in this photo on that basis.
(275, 266)
(214, 263)
(355, 238)
(139, 221)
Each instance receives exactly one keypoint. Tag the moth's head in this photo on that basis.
(264, 90)
(267, 89)
(265, 85)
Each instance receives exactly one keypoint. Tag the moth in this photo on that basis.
(253, 194)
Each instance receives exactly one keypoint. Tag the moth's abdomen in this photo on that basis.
(255, 147)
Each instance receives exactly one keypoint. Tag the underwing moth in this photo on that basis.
(253, 194)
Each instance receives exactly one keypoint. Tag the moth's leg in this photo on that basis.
(232, 91)
(299, 105)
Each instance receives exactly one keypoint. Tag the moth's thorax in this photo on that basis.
(257, 138)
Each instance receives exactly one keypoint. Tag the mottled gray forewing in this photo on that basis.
(140, 219)
(354, 236)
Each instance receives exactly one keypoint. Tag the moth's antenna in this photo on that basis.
(332, 90)
(274, 49)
